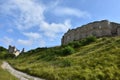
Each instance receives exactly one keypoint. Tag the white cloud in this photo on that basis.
(62, 11)
(10, 30)
(31, 42)
(25, 42)
(34, 39)
(7, 41)
(32, 35)
(27, 13)
(51, 30)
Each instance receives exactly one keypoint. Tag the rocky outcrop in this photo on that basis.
(97, 28)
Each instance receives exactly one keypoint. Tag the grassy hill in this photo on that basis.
(3, 52)
(4, 74)
(88, 59)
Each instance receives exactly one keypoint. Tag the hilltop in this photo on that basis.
(88, 59)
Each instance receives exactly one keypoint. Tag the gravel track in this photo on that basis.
(20, 75)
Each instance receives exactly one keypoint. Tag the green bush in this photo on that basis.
(9, 56)
(67, 51)
(2, 49)
(91, 38)
(77, 44)
(88, 40)
(70, 44)
(83, 42)
(2, 54)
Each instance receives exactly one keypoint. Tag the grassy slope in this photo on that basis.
(99, 60)
(4, 75)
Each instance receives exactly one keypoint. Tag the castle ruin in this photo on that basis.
(14, 50)
(97, 28)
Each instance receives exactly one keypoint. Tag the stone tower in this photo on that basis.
(13, 50)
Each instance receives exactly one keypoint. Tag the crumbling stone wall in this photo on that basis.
(98, 29)
(13, 50)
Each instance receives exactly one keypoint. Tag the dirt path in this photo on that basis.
(20, 75)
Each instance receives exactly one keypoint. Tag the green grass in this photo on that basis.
(97, 60)
(5, 75)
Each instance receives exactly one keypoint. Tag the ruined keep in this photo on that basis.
(14, 50)
(97, 28)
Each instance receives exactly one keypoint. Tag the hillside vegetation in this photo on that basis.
(3, 52)
(88, 59)
(4, 74)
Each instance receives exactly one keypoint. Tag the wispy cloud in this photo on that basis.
(7, 41)
(31, 42)
(33, 39)
(28, 14)
(65, 11)
(25, 42)
(25, 15)
(10, 30)
(51, 30)
(32, 35)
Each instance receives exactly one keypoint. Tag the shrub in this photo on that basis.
(67, 51)
(77, 44)
(2, 49)
(91, 38)
(88, 40)
(104, 38)
(9, 56)
(83, 42)
(2, 55)
(70, 44)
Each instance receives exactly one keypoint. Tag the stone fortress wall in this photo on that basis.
(97, 28)
(14, 50)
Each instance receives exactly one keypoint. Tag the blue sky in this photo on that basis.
(41, 23)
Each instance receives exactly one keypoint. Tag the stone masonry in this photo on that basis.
(97, 28)
(14, 50)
